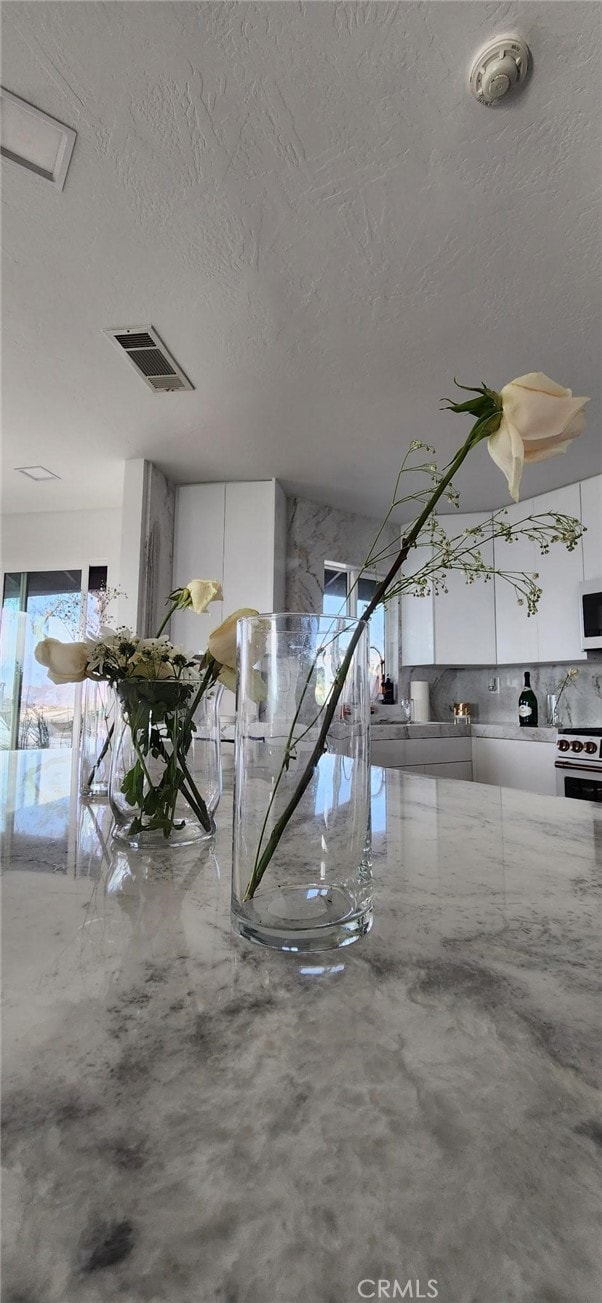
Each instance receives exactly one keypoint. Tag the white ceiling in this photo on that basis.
(321, 223)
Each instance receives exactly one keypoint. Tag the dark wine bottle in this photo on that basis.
(527, 705)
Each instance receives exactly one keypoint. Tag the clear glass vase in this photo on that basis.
(166, 777)
(96, 738)
(552, 711)
(302, 883)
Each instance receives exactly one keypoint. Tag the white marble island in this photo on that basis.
(191, 1119)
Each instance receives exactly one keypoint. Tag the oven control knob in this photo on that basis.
(576, 746)
(590, 748)
(563, 745)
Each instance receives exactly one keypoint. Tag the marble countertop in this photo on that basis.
(394, 732)
(191, 1119)
(389, 731)
(514, 732)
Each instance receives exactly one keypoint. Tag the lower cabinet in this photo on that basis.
(528, 766)
(445, 757)
(451, 769)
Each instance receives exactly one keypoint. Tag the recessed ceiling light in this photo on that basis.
(34, 139)
(37, 473)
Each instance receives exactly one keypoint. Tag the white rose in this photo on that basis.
(227, 676)
(539, 420)
(66, 662)
(222, 641)
(256, 687)
(202, 592)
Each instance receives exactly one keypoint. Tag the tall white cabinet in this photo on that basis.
(235, 533)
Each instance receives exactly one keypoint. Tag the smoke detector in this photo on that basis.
(149, 358)
(499, 68)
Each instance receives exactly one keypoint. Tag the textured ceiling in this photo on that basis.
(321, 223)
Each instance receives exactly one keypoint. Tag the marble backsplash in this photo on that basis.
(317, 533)
(580, 703)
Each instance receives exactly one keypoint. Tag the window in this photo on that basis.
(345, 593)
(34, 712)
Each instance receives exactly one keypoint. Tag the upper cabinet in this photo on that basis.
(235, 533)
(553, 634)
(591, 517)
(452, 628)
(516, 631)
(417, 617)
(560, 574)
(483, 624)
(465, 615)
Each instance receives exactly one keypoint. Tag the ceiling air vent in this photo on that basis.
(144, 349)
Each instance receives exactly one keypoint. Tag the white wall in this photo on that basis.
(62, 540)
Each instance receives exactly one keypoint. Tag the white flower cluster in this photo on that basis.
(123, 655)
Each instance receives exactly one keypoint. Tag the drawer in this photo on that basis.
(451, 769)
(421, 751)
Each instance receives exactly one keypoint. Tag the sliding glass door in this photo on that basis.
(40, 604)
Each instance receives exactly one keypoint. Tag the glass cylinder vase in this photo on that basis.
(96, 738)
(552, 711)
(165, 781)
(302, 876)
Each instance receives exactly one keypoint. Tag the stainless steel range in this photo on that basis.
(578, 763)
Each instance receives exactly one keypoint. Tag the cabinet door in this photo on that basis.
(591, 517)
(527, 766)
(560, 574)
(417, 624)
(465, 615)
(388, 754)
(452, 769)
(516, 633)
(249, 545)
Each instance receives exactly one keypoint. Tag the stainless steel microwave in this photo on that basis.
(590, 608)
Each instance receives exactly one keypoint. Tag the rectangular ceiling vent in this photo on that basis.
(149, 357)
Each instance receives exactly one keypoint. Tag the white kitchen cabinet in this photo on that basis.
(453, 628)
(417, 618)
(516, 632)
(441, 757)
(553, 633)
(528, 766)
(451, 769)
(464, 616)
(591, 517)
(560, 574)
(483, 624)
(235, 533)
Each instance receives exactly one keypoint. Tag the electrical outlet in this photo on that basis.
(493, 685)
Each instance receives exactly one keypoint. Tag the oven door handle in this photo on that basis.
(583, 769)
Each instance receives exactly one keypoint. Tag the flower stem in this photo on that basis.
(484, 426)
(100, 757)
(165, 622)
